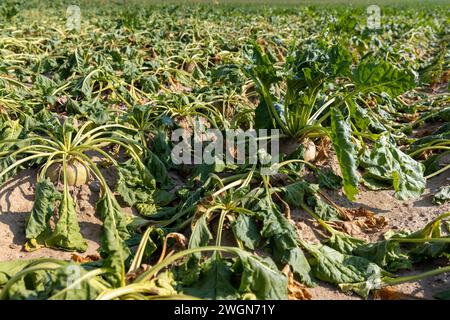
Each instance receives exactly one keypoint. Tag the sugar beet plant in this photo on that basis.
(313, 95)
(111, 94)
(60, 152)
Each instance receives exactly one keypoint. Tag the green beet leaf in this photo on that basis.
(38, 225)
(345, 152)
(301, 193)
(67, 234)
(214, 281)
(442, 196)
(200, 234)
(343, 243)
(355, 273)
(65, 287)
(246, 230)
(388, 164)
(261, 277)
(115, 233)
(283, 237)
(381, 76)
(386, 254)
(328, 179)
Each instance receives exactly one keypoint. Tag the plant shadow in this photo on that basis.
(16, 222)
(20, 182)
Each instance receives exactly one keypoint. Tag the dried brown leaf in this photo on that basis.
(389, 293)
(180, 239)
(89, 258)
(366, 219)
(296, 290)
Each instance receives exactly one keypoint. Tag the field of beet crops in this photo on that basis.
(119, 179)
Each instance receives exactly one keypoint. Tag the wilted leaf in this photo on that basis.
(301, 193)
(386, 254)
(200, 234)
(113, 248)
(345, 152)
(283, 237)
(246, 230)
(214, 281)
(343, 242)
(348, 271)
(328, 179)
(65, 288)
(442, 196)
(381, 76)
(390, 165)
(38, 224)
(67, 234)
(261, 277)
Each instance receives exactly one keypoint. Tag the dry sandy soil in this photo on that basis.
(16, 201)
(410, 215)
